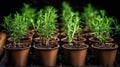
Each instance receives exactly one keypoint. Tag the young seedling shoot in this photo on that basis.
(72, 26)
(66, 10)
(45, 26)
(28, 14)
(88, 14)
(15, 27)
(102, 27)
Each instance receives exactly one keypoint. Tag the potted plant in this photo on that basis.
(104, 49)
(66, 9)
(45, 42)
(2, 42)
(16, 29)
(74, 47)
(28, 14)
(88, 14)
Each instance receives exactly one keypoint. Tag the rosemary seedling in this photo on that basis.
(28, 14)
(15, 27)
(66, 10)
(88, 14)
(72, 26)
(45, 26)
(72, 22)
(102, 27)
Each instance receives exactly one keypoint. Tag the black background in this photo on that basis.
(11, 6)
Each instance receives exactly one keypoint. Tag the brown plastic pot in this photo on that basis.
(17, 56)
(46, 56)
(104, 57)
(27, 40)
(29, 37)
(2, 42)
(75, 56)
(93, 40)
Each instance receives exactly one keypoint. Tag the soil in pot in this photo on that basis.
(95, 40)
(104, 54)
(75, 55)
(45, 55)
(17, 55)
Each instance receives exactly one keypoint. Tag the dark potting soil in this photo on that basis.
(41, 43)
(16, 45)
(106, 45)
(81, 45)
(38, 45)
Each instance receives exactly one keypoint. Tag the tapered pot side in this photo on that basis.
(93, 40)
(46, 56)
(29, 37)
(17, 56)
(27, 40)
(75, 56)
(2, 42)
(104, 56)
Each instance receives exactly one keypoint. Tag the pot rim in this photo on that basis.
(46, 48)
(16, 48)
(94, 47)
(75, 48)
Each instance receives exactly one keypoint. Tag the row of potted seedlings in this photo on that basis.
(19, 36)
(38, 30)
(20, 29)
(74, 48)
(101, 28)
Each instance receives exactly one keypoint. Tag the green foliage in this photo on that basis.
(18, 25)
(28, 14)
(102, 26)
(72, 22)
(7, 21)
(88, 14)
(66, 10)
(15, 27)
(45, 26)
(72, 26)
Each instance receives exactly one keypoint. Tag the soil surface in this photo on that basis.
(46, 46)
(41, 43)
(106, 45)
(16, 45)
(74, 45)
(22, 44)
